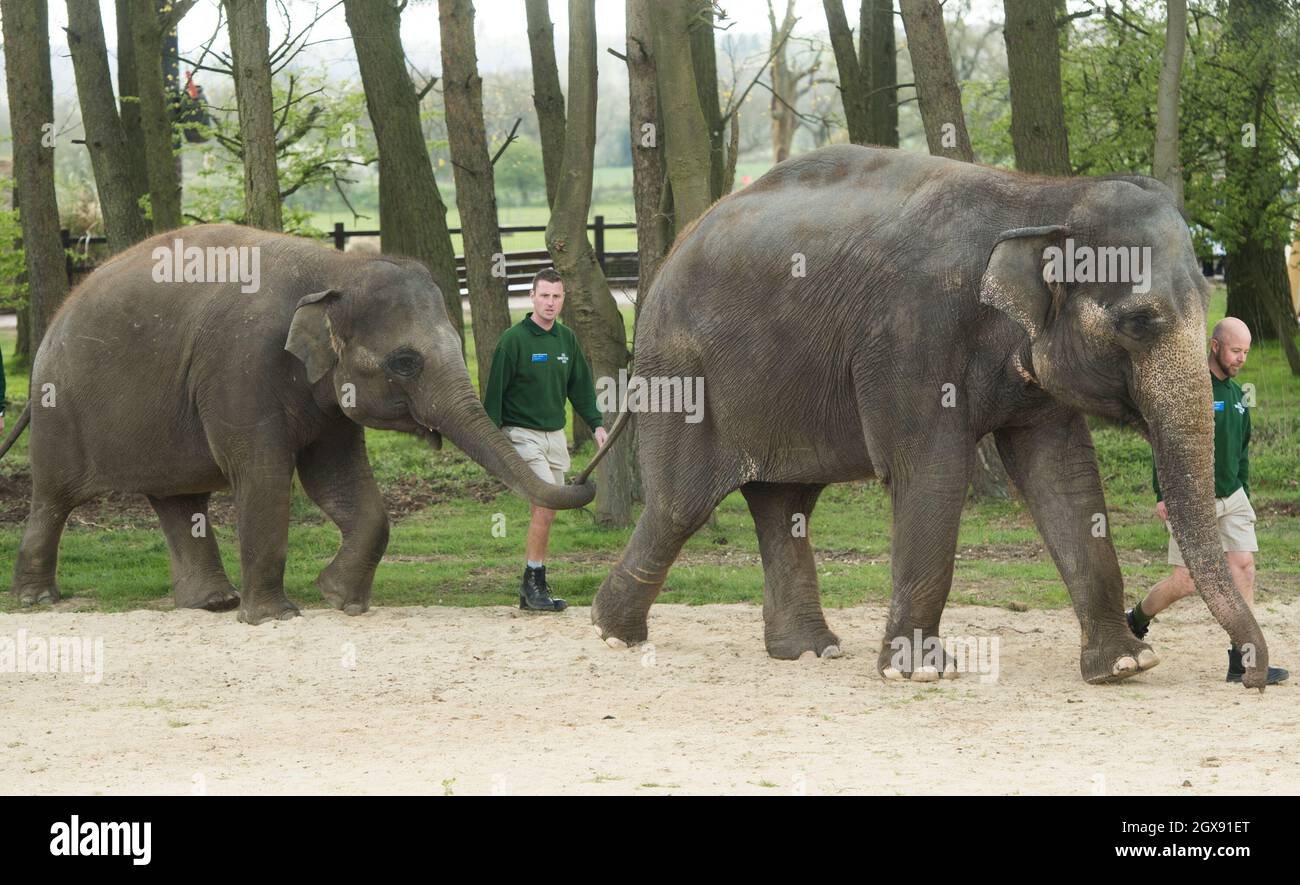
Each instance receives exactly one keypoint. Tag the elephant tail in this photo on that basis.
(619, 422)
(23, 420)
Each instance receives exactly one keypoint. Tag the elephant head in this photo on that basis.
(1130, 346)
(393, 361)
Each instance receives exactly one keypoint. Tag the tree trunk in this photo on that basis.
(547, 97)
(938, 95)
(23, 341)
(1259, 294)
(128, 93)
(31, 119)
(249, 48)
(705, 61)
(1166, 166)
(1034, 67)
(783, 84)
(462, 91)
(599, 324)
(879, 66)
(155, 119)
(105, 139)
(653, 236)
(846, 62)
(686, 132)
(412, 216)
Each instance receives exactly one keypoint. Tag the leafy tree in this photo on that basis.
(321, 139)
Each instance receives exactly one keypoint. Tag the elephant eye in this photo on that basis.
(1141, 325)
(405, 363)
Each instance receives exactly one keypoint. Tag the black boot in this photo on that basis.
(1236, 669)
(535, 594)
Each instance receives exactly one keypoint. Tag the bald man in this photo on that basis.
(1228, 349)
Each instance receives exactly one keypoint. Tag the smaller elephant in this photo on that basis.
(177, 389)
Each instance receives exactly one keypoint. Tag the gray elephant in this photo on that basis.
(864, 312)
(219, 357)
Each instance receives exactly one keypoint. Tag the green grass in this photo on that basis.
(445, 553)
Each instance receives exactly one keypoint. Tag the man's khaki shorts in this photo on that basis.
(1236, 527)
(547, 452)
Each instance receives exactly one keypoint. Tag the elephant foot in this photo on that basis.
(37, 594)
(274, 608)
(213, 596)
(342, 595)
(1112, 659)
(802, 643)
(618, 613)
(915, 658)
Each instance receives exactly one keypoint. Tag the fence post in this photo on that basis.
(600, 241)
(339, 239)
(65, 237)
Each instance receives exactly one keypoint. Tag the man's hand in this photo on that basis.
(1162, 511)
(600, 436)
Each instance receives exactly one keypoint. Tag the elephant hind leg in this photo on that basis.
(793, 622)
(38, 553)
(335, 473)
(198, 578)
(619, 610)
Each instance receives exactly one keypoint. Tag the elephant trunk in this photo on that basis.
(1173, 393)
(461, 419)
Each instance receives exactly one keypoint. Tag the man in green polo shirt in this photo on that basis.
(536, 367)
(1228, 348)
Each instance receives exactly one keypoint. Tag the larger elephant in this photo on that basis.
(172, 373)
(864, 312)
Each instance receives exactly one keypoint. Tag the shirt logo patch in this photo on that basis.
(564, 358)
(1241, 409)
(1218, 403)
(542, 357)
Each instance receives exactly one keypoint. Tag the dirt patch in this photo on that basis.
(441, 700)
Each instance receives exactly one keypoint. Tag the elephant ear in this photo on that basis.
(311, 338)
(1014, 282)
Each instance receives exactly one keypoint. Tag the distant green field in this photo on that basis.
(612, 188)
(443, 550)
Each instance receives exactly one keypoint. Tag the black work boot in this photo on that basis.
(1236, 669)
(535, 594)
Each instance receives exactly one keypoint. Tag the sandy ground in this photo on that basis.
(436, 700)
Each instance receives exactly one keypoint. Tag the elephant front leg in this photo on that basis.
(927, 495)
(1055, 468)
(794, 624)
(335, 473)
(262, 501)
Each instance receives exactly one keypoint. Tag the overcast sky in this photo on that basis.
(500, 31)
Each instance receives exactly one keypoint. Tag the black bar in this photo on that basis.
(600, 241)
(340, 238)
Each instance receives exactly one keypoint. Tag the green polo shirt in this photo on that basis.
(1231, 440)
(534, 370)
